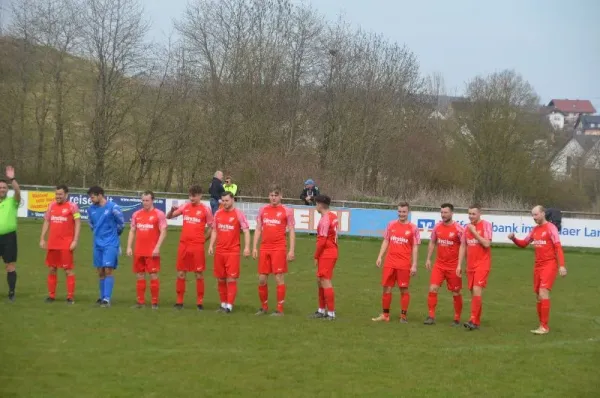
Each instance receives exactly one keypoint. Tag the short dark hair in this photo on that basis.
(63, 188)
(475, 206)
(323, 199)
(404, 204)
(2, 180)
(150, 193)
(447, 206)
(275, 189)
(195, 190)
(95, 190)
(227, 193)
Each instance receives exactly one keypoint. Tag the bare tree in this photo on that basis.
(114, 34)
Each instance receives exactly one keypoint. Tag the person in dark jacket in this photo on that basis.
(309, 192)
(215, 191)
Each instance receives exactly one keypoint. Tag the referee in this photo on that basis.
(8, 228)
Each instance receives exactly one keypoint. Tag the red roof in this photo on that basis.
(572, 106)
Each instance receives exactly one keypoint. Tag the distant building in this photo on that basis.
(587, 125)
(565, 112)
(580, 148)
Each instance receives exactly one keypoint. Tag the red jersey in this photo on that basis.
(228, 225)
(448, 239)
(477, 255)
(327, 247)
(147, 224)
(402, 238)
(273, 222)
(61, 218)
(548, 249)
(195, 220)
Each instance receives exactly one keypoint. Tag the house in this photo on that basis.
(440, 107)
(562, 112)
(587, 125)
(580, 147)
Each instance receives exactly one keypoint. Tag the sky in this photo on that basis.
(555, 45)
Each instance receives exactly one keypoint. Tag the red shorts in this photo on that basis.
(191, 258)
(60, 259)
(477, 277)
(146, 264)
(439, 275)
(395, 276)
(325, 268)
(227, 265)
(272, 262)
(544, 277)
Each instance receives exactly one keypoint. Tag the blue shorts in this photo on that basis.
(106, 257)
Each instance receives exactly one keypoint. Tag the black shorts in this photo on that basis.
(8, 247)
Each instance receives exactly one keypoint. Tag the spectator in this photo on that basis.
(229, 186)
(216, 190)
(309, 192)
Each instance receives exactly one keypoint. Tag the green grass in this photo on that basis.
(82, 351)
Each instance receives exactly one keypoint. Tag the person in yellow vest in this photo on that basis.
(230, 186)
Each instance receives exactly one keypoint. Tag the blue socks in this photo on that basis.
(109, 283)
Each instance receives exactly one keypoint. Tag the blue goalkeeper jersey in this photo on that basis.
(107, 223)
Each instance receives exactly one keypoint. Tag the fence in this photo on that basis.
(353, 221)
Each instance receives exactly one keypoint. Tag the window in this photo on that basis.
(592, 125)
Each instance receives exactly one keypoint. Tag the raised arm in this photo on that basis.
(10, 174)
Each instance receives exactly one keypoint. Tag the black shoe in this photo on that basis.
(227, 311)
(455, 323)
(99, 301)
(105, 303)
(200, 307)
(328, 318)
(471, 326)
(11, 297)
(318, 315)
(70, 301)
(178, 306)
(429, 321)
(49, 300)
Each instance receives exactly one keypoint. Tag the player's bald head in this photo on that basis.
(539, 214)
(538, 209)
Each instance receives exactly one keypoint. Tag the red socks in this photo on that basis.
(458, 304)
(329, 299)
(476, 310)
(70, 286)
(432, 303)
(404, 302)
(263, 295)
(154, 290)
(199, 291)
(386, 302)
(321, 298)
(52, 281)
(544, 312)
(222, 287)
(231, 292)
(141, 290)
(180, 289)
(280, 297)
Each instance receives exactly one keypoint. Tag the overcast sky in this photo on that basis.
(554, 44)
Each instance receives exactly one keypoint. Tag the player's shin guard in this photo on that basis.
(200, 291)
(109, 283)
(404, 302)
(458, 305)
(52, 281)
(70, 286)
(180, 289)
(141, 291)
(280, 297)
(476, 310)
(101, 282)
(222, 286)
(263, 296)
(545, 312)
(154, 290)
(539, 311)
(321, 300)
(329, 300)
(386, 302)
(432, 303)
(231, 293)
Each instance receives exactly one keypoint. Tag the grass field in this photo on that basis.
(55, 350)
